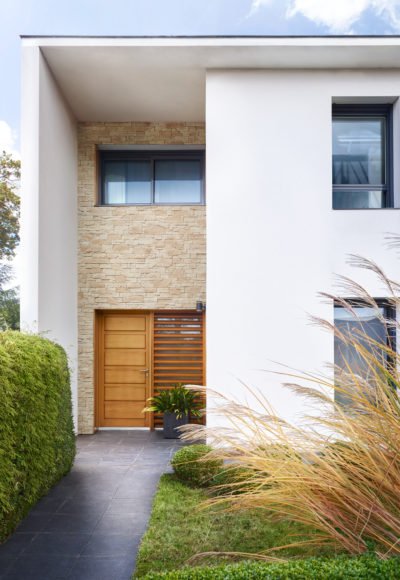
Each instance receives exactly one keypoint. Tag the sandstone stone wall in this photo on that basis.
(132, 257)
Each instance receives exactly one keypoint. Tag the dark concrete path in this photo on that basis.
(89, 526)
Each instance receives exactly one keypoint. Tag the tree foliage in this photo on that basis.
(9, 309)
(9, 211)
(9, 205)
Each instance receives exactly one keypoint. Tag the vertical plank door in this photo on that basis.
(123, 369)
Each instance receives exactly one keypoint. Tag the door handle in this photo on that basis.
(144, 371)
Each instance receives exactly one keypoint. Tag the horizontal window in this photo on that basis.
(361, 157)
(152, 178)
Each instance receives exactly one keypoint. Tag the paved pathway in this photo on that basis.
(89, 526)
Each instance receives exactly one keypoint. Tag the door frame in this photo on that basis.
(99, 361)
(98, 337)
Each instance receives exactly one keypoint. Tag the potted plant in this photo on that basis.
(176, 404)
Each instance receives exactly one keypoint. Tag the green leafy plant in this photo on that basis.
(37, 439)
(177, 400)
(194, 465)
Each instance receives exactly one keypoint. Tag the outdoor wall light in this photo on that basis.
(200, 306)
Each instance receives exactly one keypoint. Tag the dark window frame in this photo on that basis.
(152, 156)
(365, 111)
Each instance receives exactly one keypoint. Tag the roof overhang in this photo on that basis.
(163, 78)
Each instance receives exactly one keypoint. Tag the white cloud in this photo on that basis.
(339, 16)
(390, 9)
(8, 139)
(256, 5)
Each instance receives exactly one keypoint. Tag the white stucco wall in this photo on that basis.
(49, 209)
(273, 241)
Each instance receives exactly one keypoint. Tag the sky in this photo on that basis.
(173, 17)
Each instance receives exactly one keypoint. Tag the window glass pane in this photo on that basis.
(127, 182)
(138, 182)
(358, 151)
(358, 199)
(114, 183)
(177, 181)
(366, 326)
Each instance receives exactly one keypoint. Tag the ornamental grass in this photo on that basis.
(338, 472)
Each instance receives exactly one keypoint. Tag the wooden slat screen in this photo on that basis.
(178, 351)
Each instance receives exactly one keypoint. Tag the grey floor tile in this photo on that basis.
(90, 524)
(43, 567)
(94, 568)
(5, 565)
(122, 524)
(16, 544)
(60, 493)
(72, 523)
(111, 545)
(129, 506)
(34, 522)
(57, 544)
(127, 490)
(48, 504)
(90, 507)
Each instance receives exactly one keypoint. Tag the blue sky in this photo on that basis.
(173, 17)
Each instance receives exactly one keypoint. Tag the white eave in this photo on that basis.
(163, 78)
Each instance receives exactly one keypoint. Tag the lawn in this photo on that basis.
(180, 528)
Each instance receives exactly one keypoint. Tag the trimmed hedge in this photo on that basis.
(37, 441)
(339, 568)
(191, 468)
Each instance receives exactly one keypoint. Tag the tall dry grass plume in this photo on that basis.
(339, 472)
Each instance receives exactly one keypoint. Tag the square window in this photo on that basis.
(177, 181)
(361, 157)
(127, 182)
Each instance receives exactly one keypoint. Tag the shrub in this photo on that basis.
(37, 442)
(361, 568)
(192, 466)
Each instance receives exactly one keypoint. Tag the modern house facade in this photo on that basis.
(166, 178)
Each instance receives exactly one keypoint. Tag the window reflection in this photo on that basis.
(359, 160)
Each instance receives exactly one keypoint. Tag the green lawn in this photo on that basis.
(180, 528)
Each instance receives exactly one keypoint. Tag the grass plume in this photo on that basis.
(338, 473)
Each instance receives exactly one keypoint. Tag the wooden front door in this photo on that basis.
(124, 366)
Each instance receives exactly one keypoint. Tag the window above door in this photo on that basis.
(362, 156)
(152, 177)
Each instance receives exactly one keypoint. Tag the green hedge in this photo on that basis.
(37, 442)
(339, 568)
(190, 466)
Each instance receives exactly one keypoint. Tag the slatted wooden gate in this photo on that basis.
(178, 350)
(176, 354)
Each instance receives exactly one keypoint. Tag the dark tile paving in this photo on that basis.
(90, 524)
